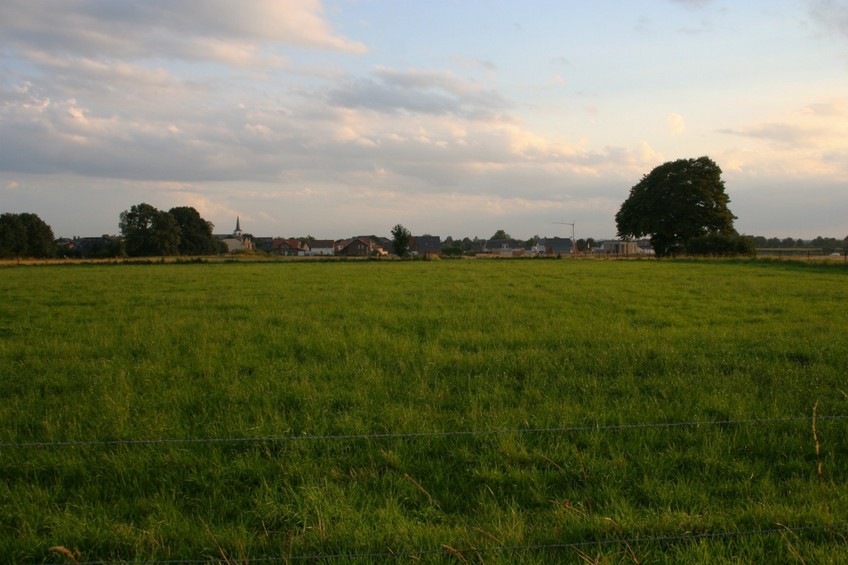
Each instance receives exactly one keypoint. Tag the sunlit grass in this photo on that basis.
(155, 352)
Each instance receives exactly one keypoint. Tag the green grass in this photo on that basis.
(215, 351)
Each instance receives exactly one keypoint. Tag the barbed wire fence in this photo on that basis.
(413, 435)
(837, 530)
(469, 551)
(840, 530)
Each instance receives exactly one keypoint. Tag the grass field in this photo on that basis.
(527, 411)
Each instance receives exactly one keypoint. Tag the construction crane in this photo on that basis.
(573, 241)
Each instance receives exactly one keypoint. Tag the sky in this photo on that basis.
(337, 118)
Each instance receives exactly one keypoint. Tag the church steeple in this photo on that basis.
(238, 231)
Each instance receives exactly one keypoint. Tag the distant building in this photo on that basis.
(322, 247)
(615, 247)
(289, 247)
(358, 247)
(238, 240)
(363, 246)
(555, 246)
(504, 247)
(424, 245)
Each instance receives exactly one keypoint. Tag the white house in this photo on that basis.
(322, 247)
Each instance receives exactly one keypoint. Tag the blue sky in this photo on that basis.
(347, 117)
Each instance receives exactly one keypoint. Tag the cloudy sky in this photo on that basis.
(343, 117)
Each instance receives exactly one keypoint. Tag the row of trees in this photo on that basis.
(25, 235)
(148, 231)
(825, 244)
(145, 231)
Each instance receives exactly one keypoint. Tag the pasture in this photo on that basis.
(533, 411)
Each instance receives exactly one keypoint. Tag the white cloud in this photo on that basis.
(193, 29)
(391, 91)
(429, 132)
(267, 110)
(788, 134)
(810, 141)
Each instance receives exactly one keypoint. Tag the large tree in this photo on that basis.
(41, 242)
(148, 231)
(25, 235)
(676, 202)
(195, 233)
(13, 240)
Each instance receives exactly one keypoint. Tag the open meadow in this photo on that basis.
(533, 411)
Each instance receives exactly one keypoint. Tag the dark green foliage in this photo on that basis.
(452, 249)
(13, 239)
(401, 238)
(721, 244)
(818, 245)
(105, 247)
(40, 239)
(195, 233)
(25, 235)
(674, 203)
(829, 244)
(166, 234)
(501, 234)
(148, 231)
(136, 225)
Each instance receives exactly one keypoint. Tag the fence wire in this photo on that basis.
(840, 529)
(415, 435)
(445, 551)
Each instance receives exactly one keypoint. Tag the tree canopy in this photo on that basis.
(181, 230)
(12, 236)
(195, 233)
(25, 235)
(148, 231)
(400, 240)
(675, 203)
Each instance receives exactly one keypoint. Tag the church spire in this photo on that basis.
(238, 231)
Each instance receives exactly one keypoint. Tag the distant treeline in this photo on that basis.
(827, 245)
(146, 231)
